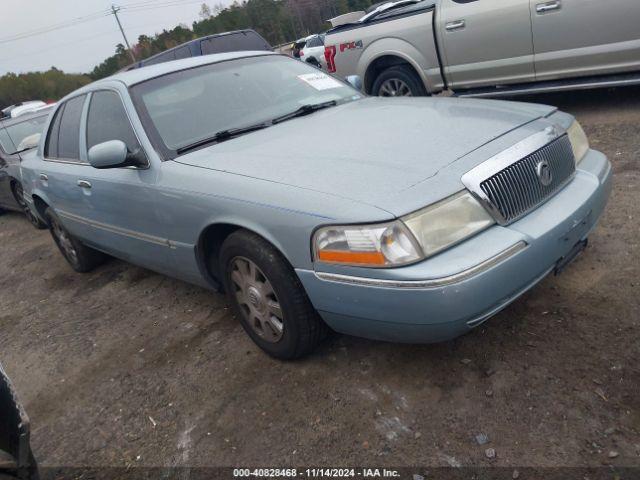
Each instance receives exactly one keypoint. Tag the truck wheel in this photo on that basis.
(398, 81)
(81, 258)
(268, 298)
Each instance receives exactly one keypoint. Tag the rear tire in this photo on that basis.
(398, 81)
(268, 298)
(81, 258)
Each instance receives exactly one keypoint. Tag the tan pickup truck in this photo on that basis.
(489, 47)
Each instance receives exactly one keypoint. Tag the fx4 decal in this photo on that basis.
(351, 46)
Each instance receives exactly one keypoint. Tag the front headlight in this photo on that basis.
(384, 245)
(448, 222)
(579, 141)
(415, 237)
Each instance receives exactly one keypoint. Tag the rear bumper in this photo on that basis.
(454, 292)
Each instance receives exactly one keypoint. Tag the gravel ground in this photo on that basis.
(126, 367)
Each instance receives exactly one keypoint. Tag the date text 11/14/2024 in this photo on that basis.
(316, 473)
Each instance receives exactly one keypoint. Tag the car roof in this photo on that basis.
(132, 77)
(9, 121)
(193, 42)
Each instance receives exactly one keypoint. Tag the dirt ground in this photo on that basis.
(126, 367)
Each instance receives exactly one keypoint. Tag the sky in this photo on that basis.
(91, 38)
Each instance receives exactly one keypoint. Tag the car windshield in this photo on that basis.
(21, 136)
(186, 107)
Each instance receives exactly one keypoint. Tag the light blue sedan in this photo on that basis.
(411, 220)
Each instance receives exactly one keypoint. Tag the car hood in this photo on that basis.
(369, 150)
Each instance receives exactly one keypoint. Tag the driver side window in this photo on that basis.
(107, 120)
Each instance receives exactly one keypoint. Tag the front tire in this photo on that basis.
(81, 258)
(398, 81)
(268, 298)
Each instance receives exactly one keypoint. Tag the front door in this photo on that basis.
(120, 203)
(486, 42)
(585, 37)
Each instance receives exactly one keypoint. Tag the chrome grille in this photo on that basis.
(517, 189)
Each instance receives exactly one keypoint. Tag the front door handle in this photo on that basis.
(457, 25)
(548, 7)
(43, 177)
(84, 184)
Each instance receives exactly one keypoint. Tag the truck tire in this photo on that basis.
(268, 298)
(398, 81)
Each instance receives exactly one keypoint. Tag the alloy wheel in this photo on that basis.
(394, 87)
(64, 241)
(257, 299)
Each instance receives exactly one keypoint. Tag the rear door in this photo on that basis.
(57, 175)
(585, 37)
(486, 42)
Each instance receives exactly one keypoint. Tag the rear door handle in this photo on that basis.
(43, 177)
(457, 25)
(548, 7)
(84, 184)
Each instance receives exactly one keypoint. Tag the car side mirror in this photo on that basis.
(355, 81)
(113, 154)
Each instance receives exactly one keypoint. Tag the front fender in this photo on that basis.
(253, 226)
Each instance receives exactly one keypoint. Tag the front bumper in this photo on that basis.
(457, 290)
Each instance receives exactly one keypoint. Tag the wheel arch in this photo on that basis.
(388, 52)
(213, 236)
(41, 203)
(13, 181)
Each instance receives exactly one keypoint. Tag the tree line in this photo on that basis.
(278, 21)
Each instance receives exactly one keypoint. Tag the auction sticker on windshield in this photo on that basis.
(320, 81)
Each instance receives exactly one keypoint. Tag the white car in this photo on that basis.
(313, 50)
(22, 108)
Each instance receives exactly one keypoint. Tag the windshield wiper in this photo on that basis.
(304, 110)
(221, 137)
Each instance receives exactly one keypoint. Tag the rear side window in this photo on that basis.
(5, 141)
(162, 58)
(63, 139)
(182, 52)
(107, 120)
(315, 42)
(51, 147)
(234, 42)
(20, 136)
(69, 135)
